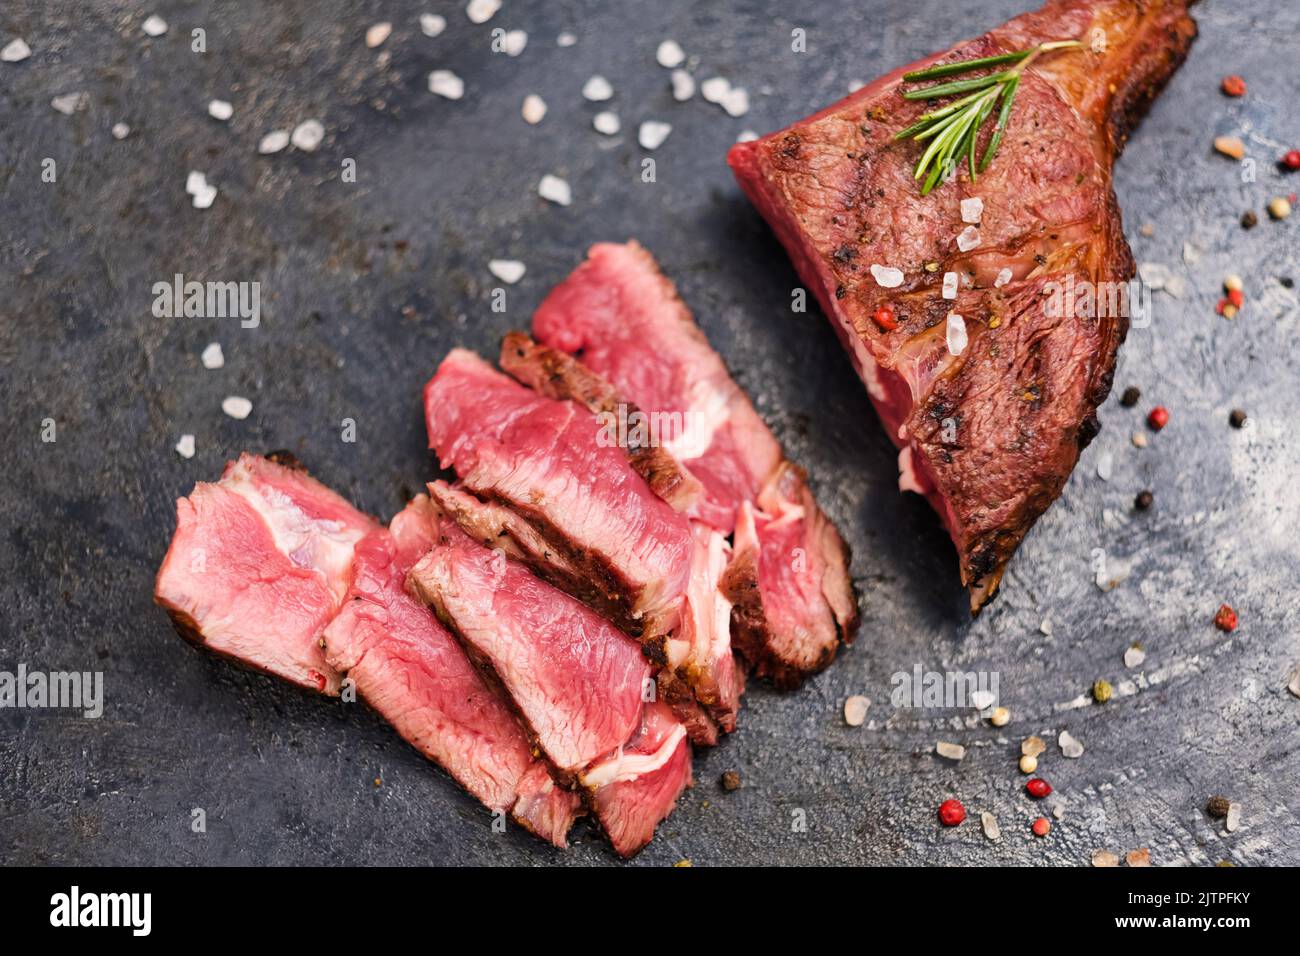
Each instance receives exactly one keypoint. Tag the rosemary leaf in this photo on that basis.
(959, 86)
(962, 66)
(1008, 94)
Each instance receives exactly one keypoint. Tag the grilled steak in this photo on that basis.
(578, 682)
(624, 322)
(259, 565)
(414, 673)
(988, 432)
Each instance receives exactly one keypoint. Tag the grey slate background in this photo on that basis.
(365, 287)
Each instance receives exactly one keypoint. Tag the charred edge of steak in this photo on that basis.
(750, 633)
(680, 698)
(285, 459)
(1162, 50)
(559, 375)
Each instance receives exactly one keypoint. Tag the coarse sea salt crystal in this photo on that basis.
(886, 277)
(683, 86)
(534, 109)
(155, 26)
(481, 11)
(68, 103)
(446, 84)
(237, 407)
(606, 122)
(736, 102)
(566, 39)
(670, 54)
(195, 182)
(972, 209)
(968, 239)
(212, 356)
(307, 136)
(15, 51)
(1003, 278)
(185, 447)
(509, 271)
(121, 131)
(715, 89)
(431, 24)
(205, 197)
(652, 134)
(273, 142)
(956, 334)
(377, 34)
(746, 136)
(597, 89)
(950, 285)
(220, 110)
(513, 42)
(1105, 465)
(555, 189)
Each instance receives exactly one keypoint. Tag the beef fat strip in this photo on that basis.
(258, 568)
(414, 673)
(580, 684)
(593, 526)
(989, 392)
(788, 580)
(260, 563)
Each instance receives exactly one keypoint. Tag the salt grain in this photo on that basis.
(121, 131)
(1139, 440)
(69, 103)
(431, 24)
(855, 710)
(513, 42)
(308, 136)
(950, 285)
(972, 209)
(1234, 817)
(715, 89)
(887, 277)
(736, 102)
(950, 751)
(155, 26)
(566, 39)
(185, 447)
(212, 356)
(377, 34)
(446, 84)
(220, 110)
(509, 271)
(481, 11)
(204, 198)
(746, 136)
(652, 134)
(683, 86)
(956, 334)
(983, 699)
(1294, 685)
(195, 182)
(555, 189)
(968, 239)
(989, 823)
(273, 142)
(15, 51)
(1003, 278)
(534, 109)
(670, 54)
(237, 407)
(1134, 656)
(1104, 858)
(1105, 465)
(597, 89)
(1070, 746)
(606, 122)
(1032, 746)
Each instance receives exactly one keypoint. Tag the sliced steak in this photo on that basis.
(579, 683)
(541, 458)
(624, 322)
(415, 674)
(990, 434)
(259, 564)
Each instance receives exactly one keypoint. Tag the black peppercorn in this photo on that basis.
(1249, 220)
(1130, 396)
(730, 781)
(1144, 500)
(1237, 418)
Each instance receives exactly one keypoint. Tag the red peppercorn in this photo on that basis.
(1041, 827)
(1236, 297)
(1038, 788)
(1158, 418)
(1226, 618)
(951, 813)
(1292, 159)
(1234, 85)
(885, 318)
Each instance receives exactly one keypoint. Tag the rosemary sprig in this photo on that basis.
(952, 130)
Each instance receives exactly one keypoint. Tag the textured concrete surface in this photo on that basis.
(366, 285)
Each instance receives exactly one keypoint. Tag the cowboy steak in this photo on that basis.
(990, 420)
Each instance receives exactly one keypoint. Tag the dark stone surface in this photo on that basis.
(365, 286)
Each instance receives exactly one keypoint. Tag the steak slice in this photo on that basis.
(990, 434)
(626, 324)
(541, 458)
(579, 683)
(260, 563)
(414, 673)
